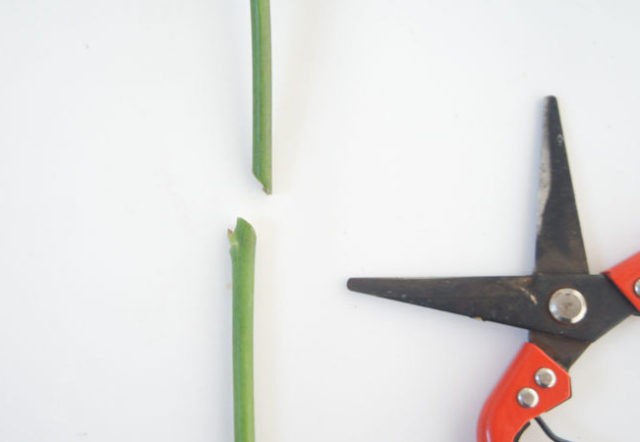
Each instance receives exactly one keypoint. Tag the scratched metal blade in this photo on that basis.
(498, 299)
(520, 301)
(559, 247)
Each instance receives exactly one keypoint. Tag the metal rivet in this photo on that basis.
(528, 398)
(568, 306)
(636, 287)
(546, 378)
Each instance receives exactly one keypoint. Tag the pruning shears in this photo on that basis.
(564, 307)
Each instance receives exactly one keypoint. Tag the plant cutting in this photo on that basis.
(261, 50)
(243, 252)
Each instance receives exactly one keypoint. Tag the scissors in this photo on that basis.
(564, 307)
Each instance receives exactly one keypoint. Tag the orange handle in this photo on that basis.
(626, 276)
(532, 385)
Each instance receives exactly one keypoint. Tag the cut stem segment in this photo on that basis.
(243, 252)
(261, 45)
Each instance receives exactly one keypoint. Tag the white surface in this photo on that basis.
(407, 137)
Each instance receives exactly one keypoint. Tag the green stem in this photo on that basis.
(261, 44)
(243, 252)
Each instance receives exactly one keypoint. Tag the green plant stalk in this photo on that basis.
(261, 49)
(243, 252)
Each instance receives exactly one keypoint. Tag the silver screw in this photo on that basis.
(568, 306)
(546, 378)
(528, 398)
(636, 287)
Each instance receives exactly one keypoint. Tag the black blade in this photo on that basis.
(520, 301)
(504, 300)
(559, 246)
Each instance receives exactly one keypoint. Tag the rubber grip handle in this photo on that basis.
(503, 416)
(626, 276)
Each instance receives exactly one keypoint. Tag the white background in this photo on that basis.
(406, 143)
